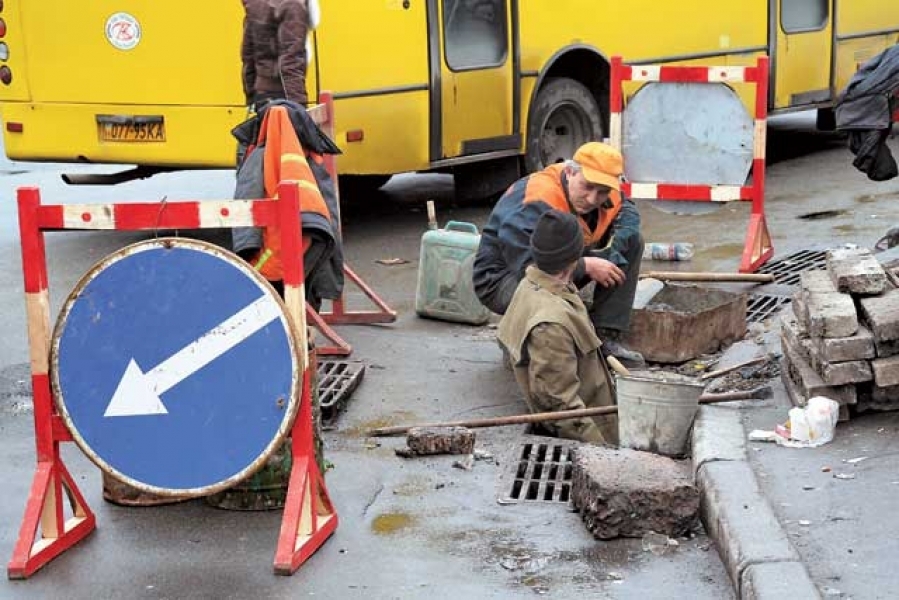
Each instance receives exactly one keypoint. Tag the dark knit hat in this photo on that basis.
(557, 241)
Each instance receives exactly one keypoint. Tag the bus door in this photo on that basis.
(801, 32)
(472, 76)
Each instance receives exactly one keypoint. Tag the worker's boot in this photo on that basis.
(611, 345)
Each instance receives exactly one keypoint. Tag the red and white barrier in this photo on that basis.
(309, 517)
(757, 248)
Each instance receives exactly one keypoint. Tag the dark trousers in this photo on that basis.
(312, 260)
(612, 306)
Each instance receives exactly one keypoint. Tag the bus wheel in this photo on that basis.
(564, 116)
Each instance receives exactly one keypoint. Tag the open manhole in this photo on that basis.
(337, 379)
(787, 270)
(539, 471)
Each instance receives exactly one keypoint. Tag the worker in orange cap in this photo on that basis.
(588, 186)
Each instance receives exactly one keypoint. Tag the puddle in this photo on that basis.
(822, 214)
(390, 523)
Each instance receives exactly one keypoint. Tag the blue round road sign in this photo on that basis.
(174, 367)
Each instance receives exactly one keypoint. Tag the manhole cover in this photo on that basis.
(539, 471)
(337, 379)
(762, 306)
(786, 270)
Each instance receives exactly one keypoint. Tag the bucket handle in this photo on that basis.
(461, 226)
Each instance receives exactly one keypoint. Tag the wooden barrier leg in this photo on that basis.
(309, 517)
(45, 533)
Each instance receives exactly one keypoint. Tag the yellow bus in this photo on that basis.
(419, 85)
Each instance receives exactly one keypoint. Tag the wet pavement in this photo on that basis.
(421, 528)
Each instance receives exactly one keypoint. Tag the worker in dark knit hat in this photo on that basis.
(550, 339)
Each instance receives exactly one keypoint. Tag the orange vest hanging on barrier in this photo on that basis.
(284, 160)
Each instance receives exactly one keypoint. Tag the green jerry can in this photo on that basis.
(445, 290)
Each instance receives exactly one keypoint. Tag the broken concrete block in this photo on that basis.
(856, 271)
(627, 493)
(830, 314)
(882, 315)
(886, 371)
(840, 373)
(857, 347)
(810, 383)
(423, 441)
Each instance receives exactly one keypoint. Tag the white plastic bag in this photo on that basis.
(813, 425)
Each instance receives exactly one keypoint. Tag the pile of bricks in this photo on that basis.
(841, 339)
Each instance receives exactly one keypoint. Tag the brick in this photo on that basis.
(856, 271)
(857, 347)
(423, 441)
(882, 315)
(831, 314)
(793, 334)
(800, 311)
(809, 383)
(886, 371)
(817, 282)
(840, 373)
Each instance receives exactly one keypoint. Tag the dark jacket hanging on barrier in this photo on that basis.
(264, 163)
(865, 109)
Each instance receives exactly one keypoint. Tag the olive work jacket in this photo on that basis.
(555, 356)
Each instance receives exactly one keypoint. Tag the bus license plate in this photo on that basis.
(126, 128)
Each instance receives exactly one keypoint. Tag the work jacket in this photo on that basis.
(555, 356)
(274, 51)
(505, 240)
(278, 156)
(865, 108)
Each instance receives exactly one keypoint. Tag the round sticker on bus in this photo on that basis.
(123, 31)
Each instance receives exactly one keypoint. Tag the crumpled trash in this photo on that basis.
(807, 427)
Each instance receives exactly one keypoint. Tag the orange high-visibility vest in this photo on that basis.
(284, 160)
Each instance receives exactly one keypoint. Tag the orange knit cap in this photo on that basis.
(601, 164)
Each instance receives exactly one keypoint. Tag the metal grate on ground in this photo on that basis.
(786, 270)
(539, 471)
(761, 306)
(337, 379)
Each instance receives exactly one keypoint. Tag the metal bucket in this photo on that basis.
(655, 413)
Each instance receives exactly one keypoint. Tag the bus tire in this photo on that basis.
(564, 116)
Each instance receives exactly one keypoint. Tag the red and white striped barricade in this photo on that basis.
(309, 517)
(757, 248)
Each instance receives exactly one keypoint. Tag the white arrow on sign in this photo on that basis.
(138, 393)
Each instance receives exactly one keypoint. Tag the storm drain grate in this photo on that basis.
(337, 379)
(787, 270)
(542, 473)
(762, 306)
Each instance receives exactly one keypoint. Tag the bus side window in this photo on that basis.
(803, 15)
(474, 33)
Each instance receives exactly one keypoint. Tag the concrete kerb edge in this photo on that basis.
(736, 514)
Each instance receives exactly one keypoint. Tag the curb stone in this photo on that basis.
(755, 549)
